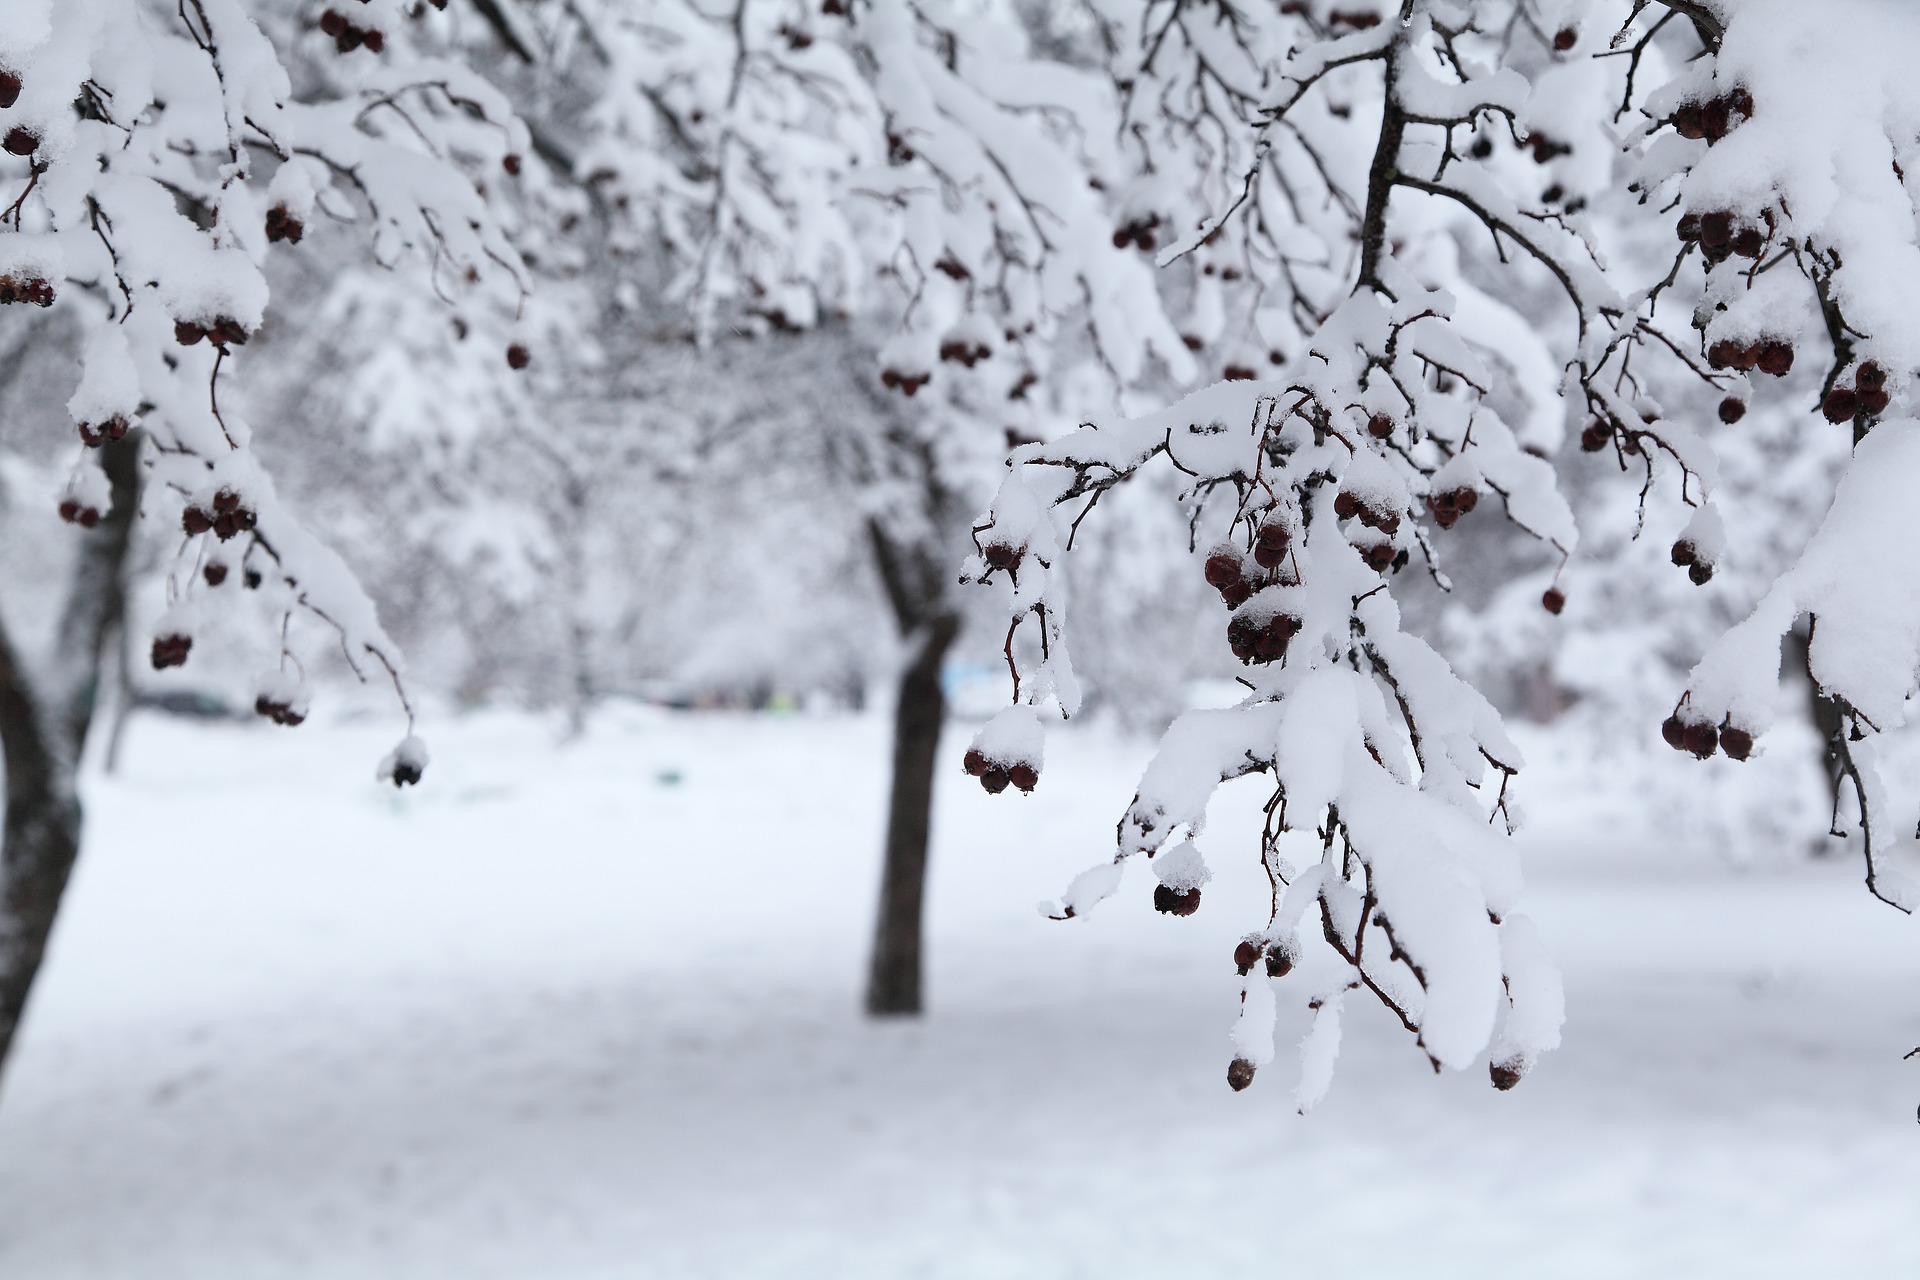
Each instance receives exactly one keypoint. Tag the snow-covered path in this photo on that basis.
(558, 1016)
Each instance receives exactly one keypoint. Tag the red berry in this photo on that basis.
(1004, 555)
(1737, 743)
(1749, 243)
(1239, 1074)
(333, 23)
(1246, 955)
(1554, 600)
(215, 573)
(186, 333)
(1506, 1074)
(1776, 359)
(974, 762)
(374, 40)
(1874, 401)
(1024, 776)
(1595, 437)
(1379, 426)
(1683, 553)
(1565, 38)
(1674, 733)
(1732, 409)
(9, 89)
(518, 357)
(1840, 405)
(1870, 377)
(1175, 902)
(1237, 594)
(195, 521)
(1699, 573)
(21, 141)
(1345, 505)
(994, 779)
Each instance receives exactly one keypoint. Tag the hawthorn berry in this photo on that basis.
(1246, 955)
(1505, 1075)
(994, 779)
(1239, 1074)
(974, 762)
(9, 89)
(1684, 553)
(1024, 776)
(1776, 359)
(518, 357)
(1737, 743)
(1595, 437)
(20, 141)
(1701, 739)
(1554, 600)
(1840, 405)
(1699, 573)
(1175, 902)
(170, 651)
(1732, 409)
(1674, 732)
(1380, 426)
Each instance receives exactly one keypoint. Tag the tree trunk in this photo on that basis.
(44, 714)
(893, 981)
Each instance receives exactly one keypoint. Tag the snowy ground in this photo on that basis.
(559, 1016)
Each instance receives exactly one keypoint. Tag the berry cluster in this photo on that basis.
(347, 37)
(906, 383)
(219, 331)
(1722, 234)
(1701, 738)
(278, 709)
(93, 435)
(994, 774)
(73, 511)
(965, 350)
(1255, 639)
(1449, 505)
(33, 289)
(1714, 118)
(229, 515)
(1769, 356)
(282, 225)
(1688, 557)
(1170, 901)
(1137, 232)
(1867, 395)
(170, 649)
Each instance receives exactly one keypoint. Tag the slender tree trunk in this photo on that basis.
(45, 711)
(893, 981)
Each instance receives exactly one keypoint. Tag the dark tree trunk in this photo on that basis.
(45, 710)
(893, 981)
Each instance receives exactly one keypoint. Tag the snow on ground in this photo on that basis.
(590, 1011)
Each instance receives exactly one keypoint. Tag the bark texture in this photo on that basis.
(45, 710)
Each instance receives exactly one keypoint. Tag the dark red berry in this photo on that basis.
(186, 332)
(1565, 38)
(1279, 963)
(974, 762)
(1688, 228)
(1701, 739)
(374, 41)
(1237, 594)
(1554, 600)
(1874, 401)
(518, 357)
(1776, 359)
(994, 779)
(1732, 409)
(1595, 437)
(1749, 243)
(1004, 555)
(1737, 743)
(1024, 776)
(1345, 505)
(1674, 733)
(1246, 955)
(1175, 902)
(333, 23)
(1699, 573)
(195, 521)
(9, 89)
(1683, 553)
(215, 573)
(21, 141)
(1840, 405)
(1506, 1074)
(1870, 377)
(1239, 1074)
(1379, 426)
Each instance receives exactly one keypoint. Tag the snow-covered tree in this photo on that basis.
(156, 154)
(1380, 173)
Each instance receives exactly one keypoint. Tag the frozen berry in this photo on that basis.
(1003, 555)
(1732, 409)
(1279, 963)
(1246, 955)
(1237, 594)
(1737, 743)
(1506, 1074)
(9, 89)
(1239, 1074)
(1874, 401)
(1554, 600)
(1223, 569)
(518, 357)
(1175, 902)
(1840, 405)
(1776, 359)
(974, 762)
(1565, 38)
(1699, 573)
(1870, 377)
(215, 573)
(1683, 553)
(1345, 505)
(1674, 733)
(510, 162)
(1380, 426)
(195, 521)
(1024, 776)
(186, 332)
(1594, 438)
(994, 779)
(1702, 739)
(20, 141)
